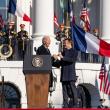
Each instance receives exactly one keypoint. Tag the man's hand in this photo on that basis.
(60, 55)
(55, 56)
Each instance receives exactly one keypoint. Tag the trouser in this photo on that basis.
(51, 80)
(69, 94)
(51, 83)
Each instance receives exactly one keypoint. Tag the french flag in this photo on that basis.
(89, 43)
(14, 8)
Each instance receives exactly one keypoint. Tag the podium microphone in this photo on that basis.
(35, 49)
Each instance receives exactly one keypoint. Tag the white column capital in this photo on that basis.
(105, 19)
(43, 14)
(43, 23)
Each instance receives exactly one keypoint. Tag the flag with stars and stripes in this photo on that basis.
(104, 79)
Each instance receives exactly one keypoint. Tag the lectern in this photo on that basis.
(36, 69)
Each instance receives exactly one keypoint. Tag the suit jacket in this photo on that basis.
(43, 51)
(68, 72)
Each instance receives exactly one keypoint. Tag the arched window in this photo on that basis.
(9, 96)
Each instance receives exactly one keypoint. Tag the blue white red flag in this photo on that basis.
(15, 8)
(89, 43)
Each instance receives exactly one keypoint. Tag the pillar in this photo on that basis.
(105, 22)
(43, 23)
(105, 19)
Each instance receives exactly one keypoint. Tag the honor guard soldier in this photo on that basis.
(22, 41)
(1, 35)
(11, 34)
(10, 37)
(61, 33)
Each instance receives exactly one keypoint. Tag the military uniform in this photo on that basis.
(2, 34)
(22, 42)
(60, 35)
(10, 37)
(22, 34)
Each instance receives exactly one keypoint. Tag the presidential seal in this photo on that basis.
(37, 61)
(5, 51)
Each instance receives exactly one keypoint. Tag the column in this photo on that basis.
(43, 23)
(43, 12)
(105, 22)
(105, 19)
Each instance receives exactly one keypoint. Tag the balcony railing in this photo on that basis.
(88, 58)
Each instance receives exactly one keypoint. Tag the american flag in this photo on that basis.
(84, 16)
(104, 79)
(1, 21)
(56, 21)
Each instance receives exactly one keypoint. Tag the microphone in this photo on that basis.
(35, 49)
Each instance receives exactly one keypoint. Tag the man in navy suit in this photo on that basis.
(68, 75)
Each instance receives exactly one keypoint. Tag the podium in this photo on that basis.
(36, 69)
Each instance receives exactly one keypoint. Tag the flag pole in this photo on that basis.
(29, 29)
(30, 23)
(104, 82)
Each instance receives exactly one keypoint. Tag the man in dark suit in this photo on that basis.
(68, 75)
(43, 50)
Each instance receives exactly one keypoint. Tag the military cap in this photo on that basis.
(22, 25)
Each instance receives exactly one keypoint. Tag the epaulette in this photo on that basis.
(14, 32)
(4, 33)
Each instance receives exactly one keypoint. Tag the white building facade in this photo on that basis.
(42, 14)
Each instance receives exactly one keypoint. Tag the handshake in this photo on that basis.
(57, 56)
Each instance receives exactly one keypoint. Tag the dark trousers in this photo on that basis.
(69, 94)
(51, 80)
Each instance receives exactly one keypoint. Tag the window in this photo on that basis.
(4, 8)
(9, 96)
